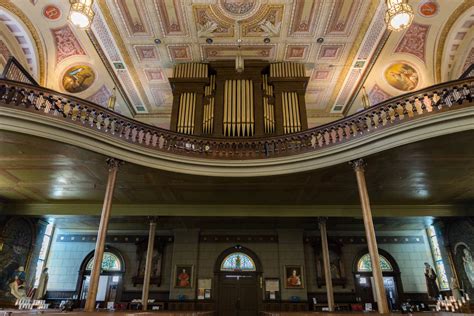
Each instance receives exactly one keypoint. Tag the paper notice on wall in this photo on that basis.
(272, 285)
(272, 296)
(205, 283)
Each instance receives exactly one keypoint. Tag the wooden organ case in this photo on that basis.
(212, 99)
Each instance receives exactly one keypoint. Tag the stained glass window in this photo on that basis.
(237, 261)
(365, 265)
(110, 262)
(438, 259)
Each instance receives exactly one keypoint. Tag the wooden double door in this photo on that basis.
(365, 289)
(238, 294)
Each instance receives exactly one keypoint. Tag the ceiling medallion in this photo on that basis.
(239, 8)
(428, 8)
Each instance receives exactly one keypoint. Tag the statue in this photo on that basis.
(455, 289)
(430, 276)
(468, 265)
(17, 283)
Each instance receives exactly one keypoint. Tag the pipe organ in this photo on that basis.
(212, 99)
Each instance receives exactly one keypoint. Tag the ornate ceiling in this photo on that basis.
(121, 47)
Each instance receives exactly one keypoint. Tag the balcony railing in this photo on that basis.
(86, 115)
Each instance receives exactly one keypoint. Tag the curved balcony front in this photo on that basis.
(438, 110)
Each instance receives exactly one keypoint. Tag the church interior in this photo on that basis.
(236, 157)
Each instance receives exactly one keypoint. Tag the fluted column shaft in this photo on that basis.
(326, 263)
(101, 235)
(148, 262)
(359, 168)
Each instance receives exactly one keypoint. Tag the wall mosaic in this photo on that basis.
(17, 236)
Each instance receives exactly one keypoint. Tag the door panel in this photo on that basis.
(238, 295)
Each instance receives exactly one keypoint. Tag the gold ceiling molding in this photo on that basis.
(109, 20)
(353, 52)
(444, 35)
(8, 5)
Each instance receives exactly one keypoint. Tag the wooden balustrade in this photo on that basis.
(84, 114)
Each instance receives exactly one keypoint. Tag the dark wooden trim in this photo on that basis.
(362, 239)
(467, 72)
(238, 238)
(13, 62)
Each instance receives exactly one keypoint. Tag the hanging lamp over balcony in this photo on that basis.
(399, 15)
(81, 13)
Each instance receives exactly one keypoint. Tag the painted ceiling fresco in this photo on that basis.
(134, 44)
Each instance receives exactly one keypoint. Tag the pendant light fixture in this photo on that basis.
(399, 15)
(81, 13)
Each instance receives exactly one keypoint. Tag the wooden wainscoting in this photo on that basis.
(287, 306)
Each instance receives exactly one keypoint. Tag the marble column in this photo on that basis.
(359, 168)
(326, 263)
(148, 266)
(113, 165)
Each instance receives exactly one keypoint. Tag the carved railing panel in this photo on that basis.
(87, 115)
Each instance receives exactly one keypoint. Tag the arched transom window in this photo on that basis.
(365, 265)
(110, 263)
(238, 261)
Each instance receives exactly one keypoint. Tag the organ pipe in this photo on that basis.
(187, 107)
(208, 118)
(268, 108)
(191, 70)
(287, 69)
(238, 108)
(291, 113)
(231, 110)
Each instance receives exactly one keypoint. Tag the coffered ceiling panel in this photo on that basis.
(182, 28)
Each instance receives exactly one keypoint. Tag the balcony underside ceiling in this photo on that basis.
(39, 176)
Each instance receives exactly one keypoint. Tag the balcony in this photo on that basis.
(437, 110)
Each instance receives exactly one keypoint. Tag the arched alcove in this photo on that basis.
(238, 274)
(111, 276)
(363, 280)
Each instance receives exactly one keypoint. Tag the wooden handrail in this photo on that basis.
(45, 102)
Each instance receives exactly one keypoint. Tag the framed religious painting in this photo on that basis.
(294, 277)
(183, 276)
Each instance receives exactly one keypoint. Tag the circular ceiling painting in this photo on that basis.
(238, 7)
(78, 78)
(428, 8)
(401, 76)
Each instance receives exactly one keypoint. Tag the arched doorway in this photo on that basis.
(111, 277)
(238, 277)
(364, 283)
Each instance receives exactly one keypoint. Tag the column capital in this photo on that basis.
(322, 220)
(114, 163)
(153, 220)
(358, 164)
